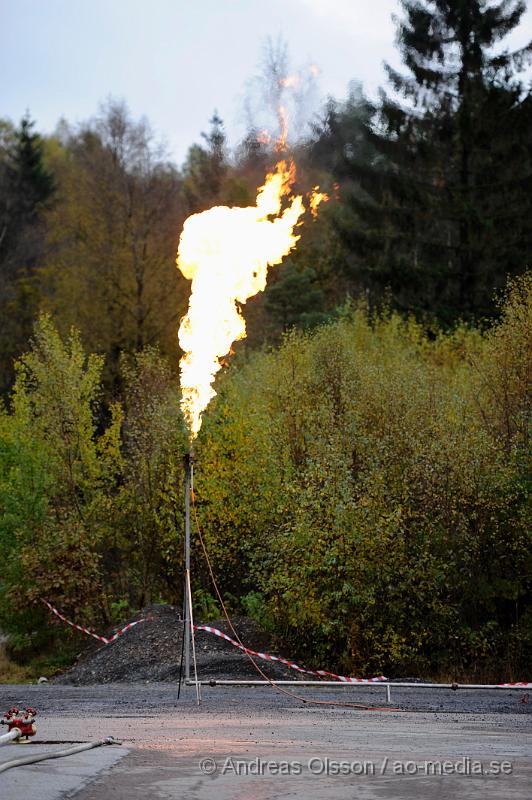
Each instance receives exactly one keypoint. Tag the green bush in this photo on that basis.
(363, 491)
(371, 482)
(90, 513)
(55, 474)
(147, 509)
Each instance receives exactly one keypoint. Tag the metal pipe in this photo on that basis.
(345, 685)
(195, 681)
(33, 759)
(13, 734)
(182, 649)
(186, 627)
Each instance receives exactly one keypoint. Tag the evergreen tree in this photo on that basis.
(295, 299)
(205, 168)
(26, 186)
(442, 211)
(208, 177)
(34, 182)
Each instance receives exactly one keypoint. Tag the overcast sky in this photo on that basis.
(177, 60)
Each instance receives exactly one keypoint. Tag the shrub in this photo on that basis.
(370, 482)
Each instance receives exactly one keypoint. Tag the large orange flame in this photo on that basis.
(226, 253)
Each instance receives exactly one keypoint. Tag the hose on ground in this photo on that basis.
(20, 762)
(13, 734)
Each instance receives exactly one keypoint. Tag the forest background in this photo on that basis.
(363, 474)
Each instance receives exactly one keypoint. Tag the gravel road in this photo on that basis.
(142, 698)
(235, 743)
(244, 742)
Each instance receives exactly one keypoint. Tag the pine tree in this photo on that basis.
(209, 178)
(26, 186)
(295, 299)
(443, 208)
(34, 182)
(205, 168)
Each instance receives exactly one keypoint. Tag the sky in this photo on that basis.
(175, 61)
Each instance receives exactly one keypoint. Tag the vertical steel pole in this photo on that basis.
(198, 689)
(186, 626)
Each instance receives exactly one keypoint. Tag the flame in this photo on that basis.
(264, 136)
(280, 144)
(315, 198)
(290, 81)
(226, 253)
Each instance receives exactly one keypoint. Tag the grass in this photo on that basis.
(11, 672)
(47, 664)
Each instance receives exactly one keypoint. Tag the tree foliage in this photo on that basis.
(437, 187)
(26, 188)
(89, 512)
(113, 234)
(373, 483)
(363, 488)
(208, 178)
(55, 474)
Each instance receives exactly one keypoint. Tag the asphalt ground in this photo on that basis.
(255, 743)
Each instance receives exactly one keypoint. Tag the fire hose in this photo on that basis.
(10, 737)
(21, 726)
(79, 748)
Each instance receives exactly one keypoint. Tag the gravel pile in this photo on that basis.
(151, 652)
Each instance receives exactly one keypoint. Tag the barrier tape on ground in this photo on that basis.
(88, 631)
(519, 683)
(321, 673)
(265, 656)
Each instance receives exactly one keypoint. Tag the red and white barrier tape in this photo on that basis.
(519, 683)
(98, 636)
(265, 656)
(321, 673)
